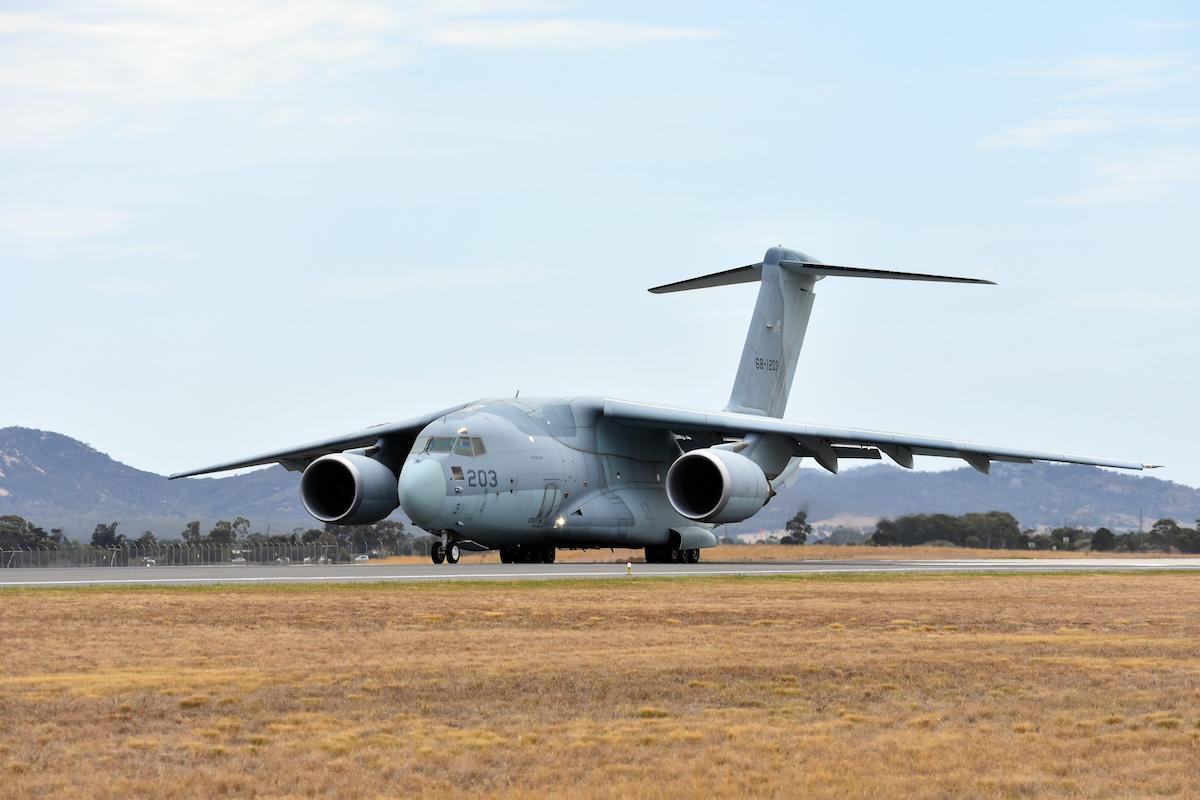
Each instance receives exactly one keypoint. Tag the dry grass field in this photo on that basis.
(825, 686)
(783, 552)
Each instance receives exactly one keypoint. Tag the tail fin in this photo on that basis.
(785, 300)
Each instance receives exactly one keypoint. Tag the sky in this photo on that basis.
(230, 227)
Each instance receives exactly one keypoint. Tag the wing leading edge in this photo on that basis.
(298, 458)
(826, 445)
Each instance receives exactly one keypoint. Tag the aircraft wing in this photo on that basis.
(297, 458)
(827, 445)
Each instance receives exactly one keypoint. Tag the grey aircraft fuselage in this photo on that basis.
(551, 472)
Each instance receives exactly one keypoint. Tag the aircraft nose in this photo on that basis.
(422, 490)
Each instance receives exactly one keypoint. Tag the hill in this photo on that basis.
(60, 482)
(1036, 494)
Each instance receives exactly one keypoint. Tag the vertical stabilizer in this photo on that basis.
(768, 365)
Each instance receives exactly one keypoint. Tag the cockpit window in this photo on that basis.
(467, 446)
(441, 444)
(420, 444)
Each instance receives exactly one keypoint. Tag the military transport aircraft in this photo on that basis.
(527, 476)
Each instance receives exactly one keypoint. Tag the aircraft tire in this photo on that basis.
(548, 554)
(652, 556)
(674, 555)
(691, 556)
(506, 555)
(437, 552)
(452, 554)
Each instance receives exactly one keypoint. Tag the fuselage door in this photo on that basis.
(549, 503)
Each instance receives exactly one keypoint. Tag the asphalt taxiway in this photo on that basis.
(367, 573)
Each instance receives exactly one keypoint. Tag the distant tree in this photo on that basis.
(18, 533)
(843, 535)
(147, 539)
(311, 536)
(240, 527)
(1104, 540)
(222, 533)
(107, 536)
(797, 529)
(994, 529)
(191, 531)
(1065, 538)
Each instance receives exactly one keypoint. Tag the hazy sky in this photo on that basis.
(231, 227)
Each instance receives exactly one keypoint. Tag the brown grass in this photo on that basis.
(782, 552)
(916, 686)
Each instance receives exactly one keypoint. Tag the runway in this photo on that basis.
(420, 573)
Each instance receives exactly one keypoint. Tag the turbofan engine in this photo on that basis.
(716, 486)
(348, 489)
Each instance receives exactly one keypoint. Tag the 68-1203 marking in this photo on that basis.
(769, 364)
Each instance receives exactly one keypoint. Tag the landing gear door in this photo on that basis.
(549, 504)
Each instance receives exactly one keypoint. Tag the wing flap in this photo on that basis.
(823, 440)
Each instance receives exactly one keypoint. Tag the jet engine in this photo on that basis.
(348, 489)
(716, 486)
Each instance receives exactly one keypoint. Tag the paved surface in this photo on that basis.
(350, 573)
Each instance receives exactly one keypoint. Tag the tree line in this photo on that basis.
(999, 530)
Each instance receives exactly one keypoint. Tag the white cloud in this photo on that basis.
(62, 72)
(41, 223)
(555, 33)
(1122, 75)
(1041, 133)
(1150, 176)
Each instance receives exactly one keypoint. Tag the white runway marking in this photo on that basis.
(116, 576)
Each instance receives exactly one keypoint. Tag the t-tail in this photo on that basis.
(785, 300)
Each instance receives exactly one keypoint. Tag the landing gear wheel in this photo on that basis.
(506, 555)
(652, 555)
(452, 554)
(548, 554)
(691, 556)
(675, 555)
(437, 552)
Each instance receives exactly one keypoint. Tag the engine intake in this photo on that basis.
(716, 486)
(348, 489)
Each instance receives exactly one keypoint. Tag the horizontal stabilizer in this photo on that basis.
(753, 272)
(816, 268)
(747, 274)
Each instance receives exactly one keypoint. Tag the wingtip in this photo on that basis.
(1153, 466)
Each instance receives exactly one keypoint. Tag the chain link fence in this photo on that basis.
(193, 555)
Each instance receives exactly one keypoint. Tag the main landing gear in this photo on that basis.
(670, 554)
(440, 552)
(527, 554)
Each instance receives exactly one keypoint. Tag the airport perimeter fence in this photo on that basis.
(189, 555)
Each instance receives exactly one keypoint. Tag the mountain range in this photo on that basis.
(59, 482)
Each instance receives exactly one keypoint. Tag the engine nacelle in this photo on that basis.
(716, 486)
(348, 489)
